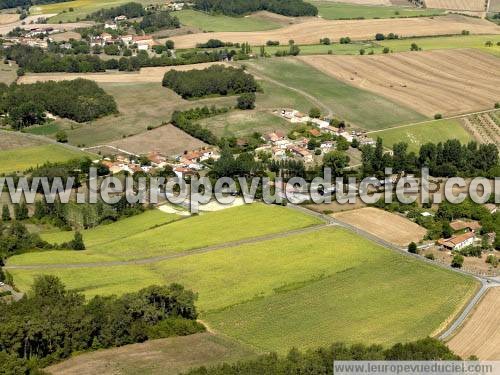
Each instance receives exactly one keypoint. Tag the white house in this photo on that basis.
(457, 242)
(110, 25)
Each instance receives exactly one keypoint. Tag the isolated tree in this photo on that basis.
(337, 161)
(5, 213)
(77, 243)
(62, 136)
(414, 47)
(314, 112)
(246, 101)
(412, 248)
(457, 261)
(21, 211)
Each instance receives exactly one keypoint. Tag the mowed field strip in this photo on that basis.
(472, 5)
(310, 32)
(480, 335)
(447, 82)
(145, 75)
(385, 225)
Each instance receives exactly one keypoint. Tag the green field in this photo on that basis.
(81, 8)
(334, 48)
(241, 123)
(418, 134)
(358, 107)
(446, 42)
(196, 232)
(207, 22)
(48, 129)
(305, 290)
(335, 11)
(18, 160)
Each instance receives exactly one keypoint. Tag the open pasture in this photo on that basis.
(338, 11)
(480, 335)
(310, 32)
(416, 135)
(390, 227)
(446, 82)
(471, 5)
(214, 228)
(357, 106)
(316, 285)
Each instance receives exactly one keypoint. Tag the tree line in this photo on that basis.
(129, 10)
(216, 79)
(79, 100)
(186, 121)
(158, 20)
(290, 8)
(320, 360)
(36, 60)
(5, 4)
(50, 323)
(444, 159)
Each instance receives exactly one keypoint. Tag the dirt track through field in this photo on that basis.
(311, 32)
(472, 5)
(143, 76)
(385, 225)
(480, 334)
(447, 82)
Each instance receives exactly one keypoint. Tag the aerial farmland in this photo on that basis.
(178, 225)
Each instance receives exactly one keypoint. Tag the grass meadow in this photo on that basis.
(418, 134)
(20, 159)
(196, 232)
(359, 107)
(215, 23)
(336, 11)
(305, 290)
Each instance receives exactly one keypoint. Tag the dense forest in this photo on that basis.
(320, 361)
(130, 10)
(291, 8)
(51, 322)
(79, 100)
(5, 4)
(36, 60)
(159, 20)
(447, 159)
(216, 79)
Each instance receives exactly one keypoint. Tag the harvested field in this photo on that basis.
(7, 18)
(310, 32)
(10, 140)
(447, 82)
(163, 356)
(385, 225)
(485, 127)
(362, 2)
(145, 75)
(30, 20)
(480, 334)
(472, 5)
(166, 139)
(61, 37)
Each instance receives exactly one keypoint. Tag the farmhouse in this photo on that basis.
(110, 25)
(468, 226)
(144, 42)
(120, 18)
(457, 242)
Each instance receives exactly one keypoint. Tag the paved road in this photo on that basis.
(183, 254)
